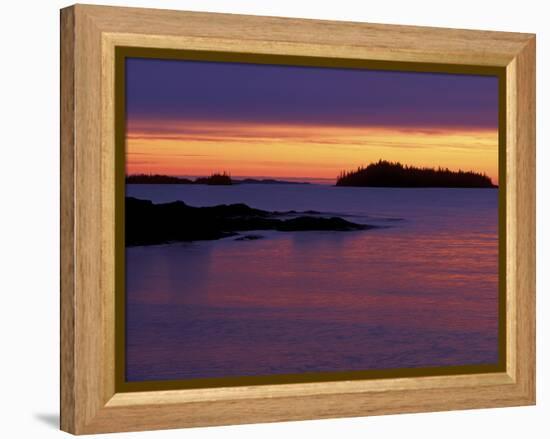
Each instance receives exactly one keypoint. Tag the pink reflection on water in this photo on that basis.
(402, 296)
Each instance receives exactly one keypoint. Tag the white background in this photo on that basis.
(29, 218)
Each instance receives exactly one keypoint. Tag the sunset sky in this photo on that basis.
(194, 118)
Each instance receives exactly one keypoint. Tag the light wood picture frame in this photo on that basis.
(91, 398)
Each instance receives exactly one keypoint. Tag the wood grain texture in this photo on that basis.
(525, 219)
(342, 39)
(67, 254)
(511, 212)
(89, 37)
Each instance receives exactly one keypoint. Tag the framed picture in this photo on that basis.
(273, 219)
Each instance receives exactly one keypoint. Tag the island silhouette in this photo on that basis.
(148, 223)
(379, 174)
(394, 174)
(217, 179)
(221, 179)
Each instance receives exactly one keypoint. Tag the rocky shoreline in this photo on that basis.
(148, 223)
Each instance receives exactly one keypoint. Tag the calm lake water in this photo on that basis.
(421, 291)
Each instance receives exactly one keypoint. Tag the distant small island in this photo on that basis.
(394, 174)
(148, 223)
(213, 179)
(267, 181)
(216, 179)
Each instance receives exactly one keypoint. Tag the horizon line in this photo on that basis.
(242, 177)
(304, 179)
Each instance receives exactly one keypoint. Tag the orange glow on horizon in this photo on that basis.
(198, 148)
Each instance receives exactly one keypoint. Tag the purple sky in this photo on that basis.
(239, 92)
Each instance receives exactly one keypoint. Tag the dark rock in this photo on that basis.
(148, 223)
(249, 238)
